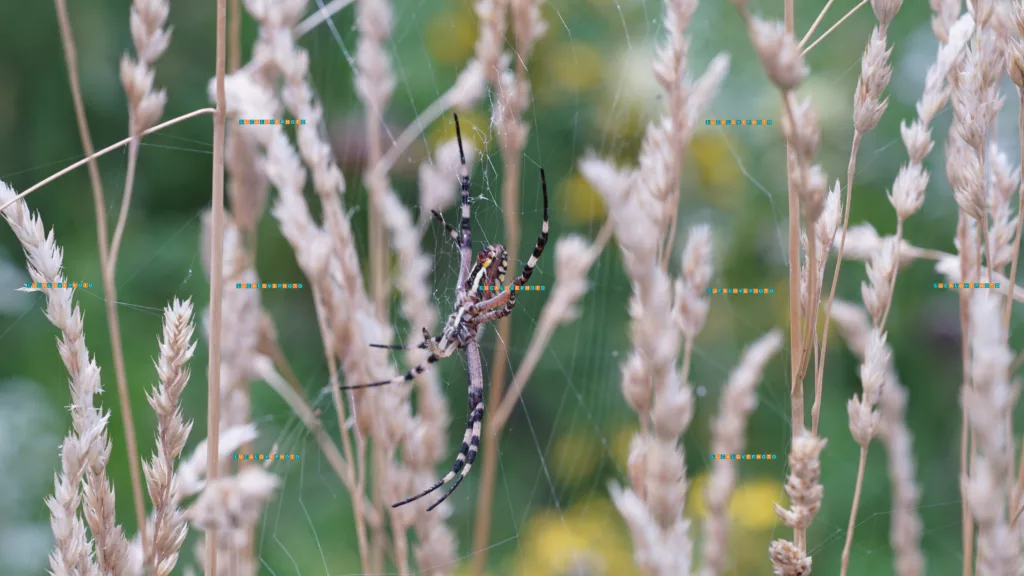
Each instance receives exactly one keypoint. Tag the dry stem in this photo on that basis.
(819, 371)
(834, 26)
(103, 152)
(109, 288)
(216, 276)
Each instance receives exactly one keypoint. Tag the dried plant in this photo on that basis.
(176, 348)
(729, 431)
(86, 450)
(390, 445)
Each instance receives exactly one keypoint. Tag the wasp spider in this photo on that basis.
(473, 309)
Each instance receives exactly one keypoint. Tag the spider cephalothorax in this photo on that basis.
(473, 308)
(493, 261)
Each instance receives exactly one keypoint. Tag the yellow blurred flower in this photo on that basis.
(751, 506)
(583, 204)
(620, 445)
(450, 36)
(574, 66)
(721, 181)
(589, 535)
(575, 457)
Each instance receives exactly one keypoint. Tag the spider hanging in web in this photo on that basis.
(474, 307)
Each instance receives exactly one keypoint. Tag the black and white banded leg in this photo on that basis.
(509, 295)
(447, 227)
(467, 453)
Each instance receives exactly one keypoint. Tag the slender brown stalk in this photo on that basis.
(104, 152)
(1019, 489)
(235, 36)
(1016, 238)
(853, 516)
(834, 26)
(814, 26)
(499, 370)
(819, 372)
(216, 276)
(967, 533)
(71, 59)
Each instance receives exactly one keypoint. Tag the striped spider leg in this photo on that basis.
(472, 310)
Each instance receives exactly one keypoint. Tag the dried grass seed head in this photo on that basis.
(788, 559)
(876, 292)
(885, 11)
(811, 189)
(907, 195)
(917, 139)
(779, 53)
(1015, 62)
(875, 73)
(803, 131)
(147, 21)
(828, 223)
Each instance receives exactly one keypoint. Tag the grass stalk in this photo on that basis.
(216, 276)
(826, 33)
(853, 510)
(967, 520)
(1019, 488)
(104, 152)
(96, 184)
(814, 26)
(819, 372)
(499, 370)
(349, 472)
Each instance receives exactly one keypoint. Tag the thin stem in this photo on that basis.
(216, 277)
(126, 201)
(1016, 239)
(813, 300)
(967, 521)
(235, 36)
(821, 16)
(319, 17)
(895, 272)
(511, 156)
(819, 372)
(834, 26)
(796, 391)
(434, 111)
(327, 337)
(853, 510)
(104, 152)
(71, 60)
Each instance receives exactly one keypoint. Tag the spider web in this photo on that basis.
(569, 435)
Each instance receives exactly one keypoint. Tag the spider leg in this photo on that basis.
(419, 369)
(421, 346)
(538, 249)
(508, 296)
(465, 234)
(467, 454)
(447, 227)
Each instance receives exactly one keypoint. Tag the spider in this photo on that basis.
(474, 307)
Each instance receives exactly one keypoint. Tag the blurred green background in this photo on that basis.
(593, 90)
